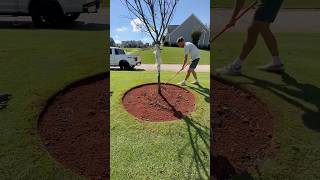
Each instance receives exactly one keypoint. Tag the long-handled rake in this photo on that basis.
(175, 75)
(236, 19)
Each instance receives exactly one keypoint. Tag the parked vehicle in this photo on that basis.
(49, 12)
(118, 57)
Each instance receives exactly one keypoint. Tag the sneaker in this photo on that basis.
(195, 83)
(276, 68)
(182, 83)
(229, 70)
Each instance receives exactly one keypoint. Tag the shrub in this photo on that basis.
(174, 45)
(195, 36)
(204, 47)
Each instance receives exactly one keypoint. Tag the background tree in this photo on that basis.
(195, 36)
(155, 16)
(112, 42)
(164, 38)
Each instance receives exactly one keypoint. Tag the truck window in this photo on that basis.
(110, 51)
(119, 51)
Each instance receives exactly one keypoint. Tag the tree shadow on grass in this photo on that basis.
(199, 139)
(294, 92)
(4, 99)
(205, 92)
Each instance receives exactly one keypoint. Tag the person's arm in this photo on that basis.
(237, 7)
(184, 62)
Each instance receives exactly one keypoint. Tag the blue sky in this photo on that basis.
(121, 28)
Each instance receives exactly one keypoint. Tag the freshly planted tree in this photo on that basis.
(152, 17)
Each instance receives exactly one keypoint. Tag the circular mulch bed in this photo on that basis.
(145, 103)
(242, 130)
(74, 127)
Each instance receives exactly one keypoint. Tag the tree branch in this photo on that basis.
(157, 16)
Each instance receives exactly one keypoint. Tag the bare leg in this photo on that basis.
(188, 74)
(253, 32)
(194, 74)
(270, 40)
(252, 36)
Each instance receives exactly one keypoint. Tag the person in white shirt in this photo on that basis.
(189, 48)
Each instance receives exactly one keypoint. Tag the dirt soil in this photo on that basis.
(145, 103)
(74, 128)
(242, 131)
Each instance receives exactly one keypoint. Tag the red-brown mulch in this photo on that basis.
(242, 130)
(145, 103)
(74, 128)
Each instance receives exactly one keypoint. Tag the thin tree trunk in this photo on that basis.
(158, 64)
(159, 84)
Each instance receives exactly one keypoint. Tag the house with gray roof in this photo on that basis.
(191, 24)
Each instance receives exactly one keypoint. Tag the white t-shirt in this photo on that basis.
(190, 48)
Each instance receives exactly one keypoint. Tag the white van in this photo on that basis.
(49, 12)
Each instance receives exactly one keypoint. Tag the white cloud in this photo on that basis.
(121, 29)
(117, 41)
(136, 25)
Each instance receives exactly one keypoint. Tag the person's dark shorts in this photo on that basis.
(267, 10)
(194, 64)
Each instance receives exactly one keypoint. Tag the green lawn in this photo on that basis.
(167, 150)
(169, 55)
(35, 64)
(294, 99)
(286, 4)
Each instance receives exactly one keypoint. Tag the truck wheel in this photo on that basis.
(127, 66)
(124, 65)
(121, 67)
(68, 18)
(46, 14)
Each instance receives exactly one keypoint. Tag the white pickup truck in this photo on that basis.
(48, 12)
(118, 57)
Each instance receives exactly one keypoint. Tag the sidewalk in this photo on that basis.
(173, 67)
(288, 20)
(170, 67)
